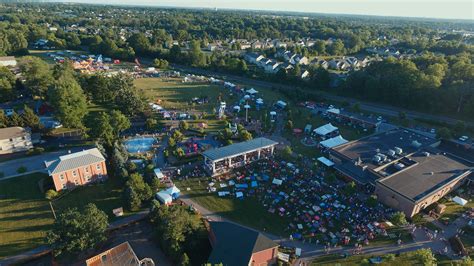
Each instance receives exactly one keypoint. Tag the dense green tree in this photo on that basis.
(176, 225)
(102, 128)
(399, 218)
(7, 84)
(119, 122)
(30, 119)
(3, 119)
(138, 190)
(183, 125)
(38, 76)
(74, 231)
(69, 100)
(15, 120)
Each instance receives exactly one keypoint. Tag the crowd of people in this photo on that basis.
(317, 210)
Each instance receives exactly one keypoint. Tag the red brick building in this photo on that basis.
(236, 245)
(77, 169)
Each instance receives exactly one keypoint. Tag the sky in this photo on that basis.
(452, 9)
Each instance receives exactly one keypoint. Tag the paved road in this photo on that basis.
(382, 109)
(32, 163)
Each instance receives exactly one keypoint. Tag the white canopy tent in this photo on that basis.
(334, 111)
(333, 142)
(324, 130)
(237, 108)
(173, 190)
(164, 197)
(252, 91)
(325, 161)
(158, 173)
(281, 104)
(460, 201)
(277, 181)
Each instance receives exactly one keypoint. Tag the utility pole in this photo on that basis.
(52, 210)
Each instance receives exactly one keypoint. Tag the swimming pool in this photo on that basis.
(139, 144)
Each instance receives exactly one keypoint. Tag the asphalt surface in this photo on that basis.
(32, 163)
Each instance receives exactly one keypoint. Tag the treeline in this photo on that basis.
(116, 31)
(432, 83)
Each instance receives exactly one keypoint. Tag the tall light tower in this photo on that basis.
(247, 107)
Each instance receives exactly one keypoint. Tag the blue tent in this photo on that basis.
(241, 186)
(254, 184)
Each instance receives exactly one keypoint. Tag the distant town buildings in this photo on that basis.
(14, 139)
(77, 169)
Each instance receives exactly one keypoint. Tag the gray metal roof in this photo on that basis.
(74, 160)
(238, 148)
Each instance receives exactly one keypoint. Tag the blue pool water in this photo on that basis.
(140, 144)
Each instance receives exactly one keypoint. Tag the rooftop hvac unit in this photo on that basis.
(399, 166)
(415, 144)
(398, 150)
(377, 158)
(391, 152)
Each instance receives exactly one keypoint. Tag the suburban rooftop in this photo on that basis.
(12, 132)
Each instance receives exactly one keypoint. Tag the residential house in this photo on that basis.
(263, 62)
(279, 44)
(285, 66)
(77, 169)
(14, 139)
(253, 58)
(7, 61)
(320, 62)
(272, 66)
(305, 75)
(338, 64)
(256, 45)
(299, 59)
(233, 244)
(288, 56)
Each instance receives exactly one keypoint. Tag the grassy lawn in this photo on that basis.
(453, 210)
(248, 211)
(107, 196)
(172, 94)
(25, 215)
(407, 258)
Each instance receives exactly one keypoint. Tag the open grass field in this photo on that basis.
(247, 211)
(403, 259)
(25, 214)
(172, 94)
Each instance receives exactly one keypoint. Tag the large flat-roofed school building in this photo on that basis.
(409, 170)
(221, 160)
